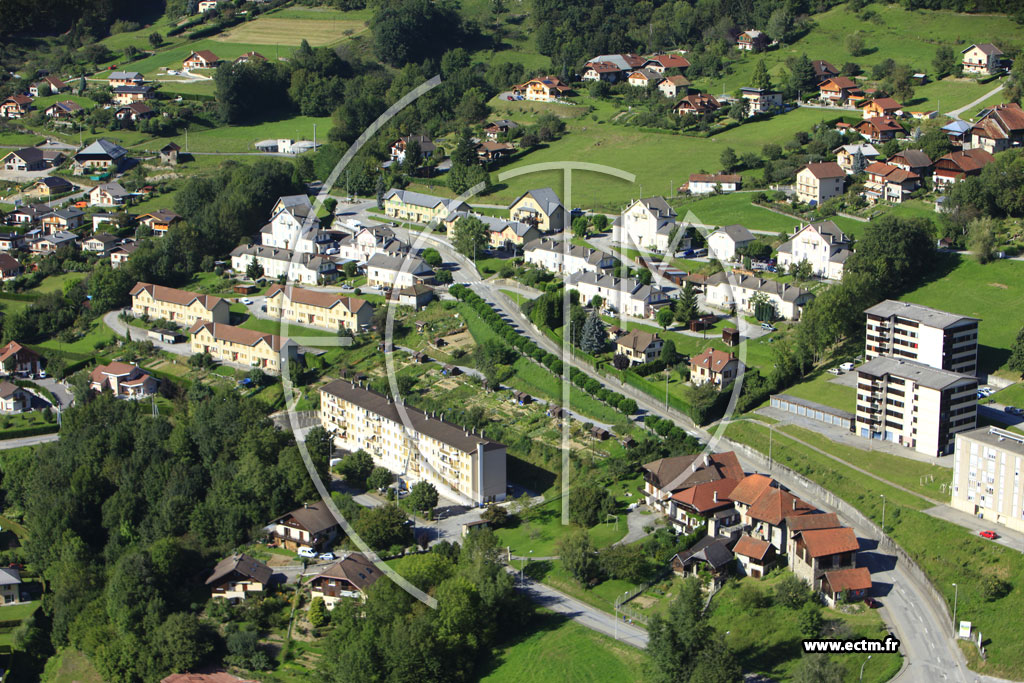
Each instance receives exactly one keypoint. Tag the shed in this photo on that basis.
(731, 336)
(245, 289)
(702, 323)
(600, 433)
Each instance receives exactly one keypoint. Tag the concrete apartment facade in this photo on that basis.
(178, 305)
(240, 346)
(319, 309)
(926, 335)
(987, 475)
(462, 465)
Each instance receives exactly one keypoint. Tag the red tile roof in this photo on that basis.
(713, 359)
(750, 487)
(838, 83)
(852, 579)
(316, 298)
(775, 505)
(238, 335)
(670, 61)
(826, 169)
(751, 547)
(827, 520)
(822, 542)
(707, 496)
(176, 296)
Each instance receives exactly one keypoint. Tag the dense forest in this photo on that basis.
(128, 510)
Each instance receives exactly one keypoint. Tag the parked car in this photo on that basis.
(327, 556)
(872, 603)
(990, 535)
(306, 551)
(246, 300)
(1013, 410)
(768, 327)
(846, 367)
(835, 371)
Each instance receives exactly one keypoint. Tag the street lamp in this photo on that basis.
(615, 606)
(956, 592)
(862, 667)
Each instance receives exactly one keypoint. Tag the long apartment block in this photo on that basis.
(926, 335)
(326, 310)
(414, 445)
(987, 475)
(914, 405)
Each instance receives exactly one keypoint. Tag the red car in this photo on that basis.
(991, 535)
(872, 603)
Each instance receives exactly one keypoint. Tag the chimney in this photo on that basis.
(707, 460)
(716, 496)
(794, 504)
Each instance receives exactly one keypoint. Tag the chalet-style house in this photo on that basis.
(491, 150)
(639, 346)
(711, 555)
(235, 577)
(70, 218)
(884, 107)
(719, 368)
(251, 56)
(127, 94)
(956, 166)
(823, 70)
(888, 183)
(880, 129)
(65, 109)
(201, 59)
(854, 158)
(118, 78)
(398, 148)
(823, 245)
(818, 182)
(663, 63)
(495, 129)
(982, 59)
(542, 89)
(159, 220)
(16, 359)
(102, 156)
(761, 101)
(49, 187)
(540, 208)
(9, 267)
(697, 103)
(612, 68)
(136, 111)
(27, 159)
(752, 40)
(348, 578)
(839, 90)
(120, 254)
(998, 128)
(644, 78)
(311, 525)
(123, 380)
(15, 107)
(913, 160)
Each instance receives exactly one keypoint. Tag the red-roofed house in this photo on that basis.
(241, 346)
(664, 62)
(819, 182)
(706, 503)
(853, 584)
(1000, 128)
(747, 491)
(350, 578)
(673, 86)
(889, 183)
(752, 40)
(542, 89)
(838, 90)
(15, 107)
(769, 513)
(235, 577)
(882, 106)
(178, 305)
(201, 59)
(17, 359)
(697, 103)
(817, 551)
(217, 677)
(603, 71)
(880, 129)
(755, 556)
(123, 379)
(718, 367)
(666, 476)
(956, 166)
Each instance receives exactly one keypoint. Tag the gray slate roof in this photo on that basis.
(545, 197)
(408, 264)
(737, 233)
(425, 200)
(103, 147)
(784, 291)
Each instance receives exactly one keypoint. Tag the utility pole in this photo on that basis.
(883, 513)
(956, 594)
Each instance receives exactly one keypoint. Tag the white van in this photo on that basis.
(846, 367)
(306, 551)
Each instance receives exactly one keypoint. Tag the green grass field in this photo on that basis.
(561, 651)
(56, 283)
(539, 537)
(99, 334)
(768, 639)
(992, 292)
(1012, 395)
(71, 666)
(824, 391)
(317, 27)
(735, 207)
(291, 330)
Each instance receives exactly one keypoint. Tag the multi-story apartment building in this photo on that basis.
(240, 346)
(926, 335)
(309, 269)
(823, 245)
(462, 465)
(565, 258)
(418, 207)
(819, 182)
(913, 404)
(987, 475)
(646, 223)
(177, 305)
(293, 225)
(619, 294)
(319, 309)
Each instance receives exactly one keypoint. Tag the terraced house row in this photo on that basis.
(325, 310)
(177, 305)
(463, 465)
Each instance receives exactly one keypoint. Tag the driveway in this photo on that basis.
(113, 322)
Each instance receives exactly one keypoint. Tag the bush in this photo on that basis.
(792, 592)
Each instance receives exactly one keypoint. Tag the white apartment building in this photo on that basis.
(305, 268)
(987, 475)
(565, 258)
(726, 241)
(914, 405)
(462, 465)
(293, 225)
(822, 244)
(728, 290)
(619, 295)
(819, 182)
(942, 340)
(368, 241)
(385, 270)
(646, 223)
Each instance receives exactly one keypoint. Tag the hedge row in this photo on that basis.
(528, 348)
(28, 431)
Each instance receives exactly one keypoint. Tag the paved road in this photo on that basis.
(583, 614)
(28, 441)
(113, 322)
(1007, 537)
(955, 114)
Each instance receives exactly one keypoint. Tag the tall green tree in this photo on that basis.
(1016, 361)
(677, 639)
(594, 337)
(761, 79)
(423, 496)
(686, 305)
(802, 76)
(579, 556)
(470, 236)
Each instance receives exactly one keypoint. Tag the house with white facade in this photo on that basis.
(565, 258)
(724, 243)
(728, 290)
(927, 335)
(294, 225)
(387, 271)
(706, 183)
(821, 244)
(819, 182)
(619, 295)
(305, 268)
(646, 223)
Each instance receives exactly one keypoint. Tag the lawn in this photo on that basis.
(736, 207)
(71, 666)
(822, 390)
(326, 29)
(172, 57)
(99, 335)
(539, 537)
(990, 292)
(290, 329)
(1012, 395)
(241, 138)
(55, 283)
(558, 650)
(768, 639)
(947, 553)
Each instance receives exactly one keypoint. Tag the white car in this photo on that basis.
(846, 367)
(246, 300)
(326, 556)
(306, 551)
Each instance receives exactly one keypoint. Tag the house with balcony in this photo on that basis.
(347, 579)
(235, 577)
(312, 526)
